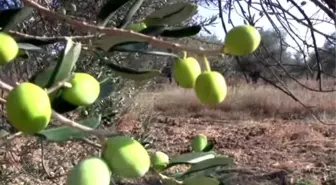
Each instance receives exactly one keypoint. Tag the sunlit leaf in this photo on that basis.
(64, 68)
(27, 46)
(172, 14)
(210, 163)
(191, 158)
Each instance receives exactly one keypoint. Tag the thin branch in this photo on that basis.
(54, 38)
(84, 26)
(73, 124)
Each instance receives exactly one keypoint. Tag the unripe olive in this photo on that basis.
(126, 157)
(9, 49)
(242, 40)
(185, 71)
(28, 108)
(210, 88)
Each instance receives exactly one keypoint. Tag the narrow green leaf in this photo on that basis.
(65, 133)
(27, 46)
(135, 7)
(107, 42)
(191, 158)
(41, 78)
(36, 42)
(133, 74)
(181, 32)
(65, 66)
(172, 14)
(210, 163)
(10, 18)
(130, 46)
(108, 10)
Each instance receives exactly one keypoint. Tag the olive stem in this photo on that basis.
(58, 86)
(185, 55)
(207, 64)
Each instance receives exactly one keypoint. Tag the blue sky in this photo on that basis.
(310, 9)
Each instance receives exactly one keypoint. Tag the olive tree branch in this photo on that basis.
(54, 38)
(84, 26)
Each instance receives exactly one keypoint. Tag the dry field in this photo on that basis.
(261, 127)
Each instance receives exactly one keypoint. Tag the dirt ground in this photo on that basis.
(273, 140)
(282, 151)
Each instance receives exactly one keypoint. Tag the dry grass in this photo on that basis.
(242, 101)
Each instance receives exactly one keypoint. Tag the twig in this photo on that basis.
(73, 124)
(44, 166)
(5, 86)
(92, 143)
(58, 86)
(55, 38)
(84, 26)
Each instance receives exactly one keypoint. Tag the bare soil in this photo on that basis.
(292, 149)
(272, 138)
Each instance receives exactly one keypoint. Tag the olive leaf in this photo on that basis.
(27, 46)
(191, 158)
(130, 46)
(106, 42)
(181, 32)
(67, 62)
(172, 14)
(108, 10)
(65, 133)
(41, 78)
(11, 17)
(133, 74)
(210, 163)
(36, 42)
